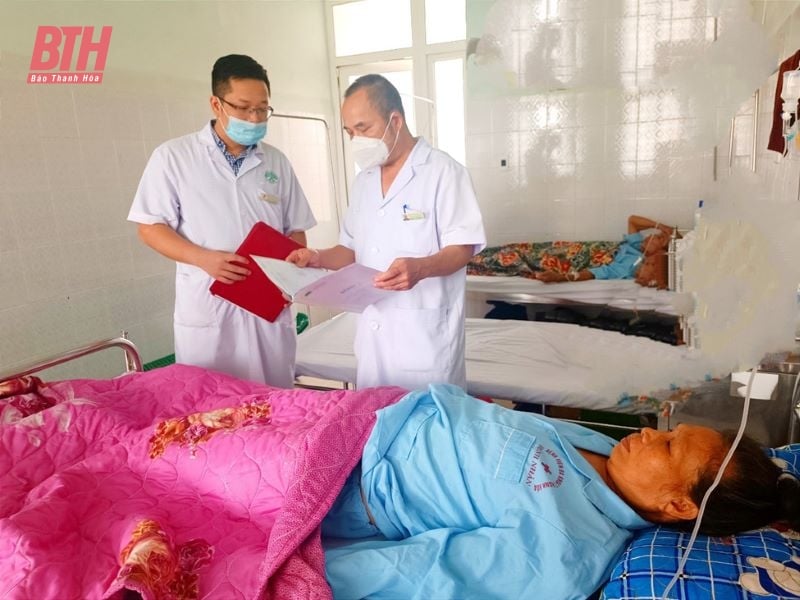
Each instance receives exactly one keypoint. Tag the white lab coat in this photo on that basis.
(189, 186)
(414, 337)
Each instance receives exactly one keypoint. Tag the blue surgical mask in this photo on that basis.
(244, 132)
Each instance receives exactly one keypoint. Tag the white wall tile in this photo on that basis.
(90, 317)
(73, 212)
(83, 265)
(23, 166)
(63, 164)
(109, 214)
(130, 158)
(99, 162)
(18, 112)
(12, 271)
(56, 112)
(45, 271)
(117, 259)
(33, 219)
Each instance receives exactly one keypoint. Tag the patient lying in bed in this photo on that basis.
(466, 500)
(635, 257)
(183, 478)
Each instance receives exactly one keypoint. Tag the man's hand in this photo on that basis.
(225, 267)
(402, 274)
(304, 257)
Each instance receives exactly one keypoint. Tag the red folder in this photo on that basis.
(255, 293)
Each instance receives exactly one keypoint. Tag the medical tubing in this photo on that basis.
(713, 486)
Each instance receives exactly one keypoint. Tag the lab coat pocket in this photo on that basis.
(416, 238)
(195, 306)
(503, 449)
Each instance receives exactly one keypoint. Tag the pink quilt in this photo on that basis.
(178, 483)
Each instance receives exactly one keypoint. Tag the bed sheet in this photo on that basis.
(617, 293)
(556, 364)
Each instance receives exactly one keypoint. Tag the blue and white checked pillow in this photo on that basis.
(758, 565)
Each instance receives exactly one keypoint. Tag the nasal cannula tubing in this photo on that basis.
(712, 487)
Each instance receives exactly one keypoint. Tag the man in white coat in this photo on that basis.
(198, 198)
(413, 216)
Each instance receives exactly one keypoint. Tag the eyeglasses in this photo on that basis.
(263, 114)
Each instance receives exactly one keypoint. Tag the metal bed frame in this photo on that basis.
(133, 361)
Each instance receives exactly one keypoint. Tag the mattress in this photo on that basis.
(556, 364)
(617, 293)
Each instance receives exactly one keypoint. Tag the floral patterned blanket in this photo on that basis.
(526, 259)
(177, 483)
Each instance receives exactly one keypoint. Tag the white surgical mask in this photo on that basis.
(371, 152)
(244, 132)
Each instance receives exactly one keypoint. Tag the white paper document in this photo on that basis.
(349, 289)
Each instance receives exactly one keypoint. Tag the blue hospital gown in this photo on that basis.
(626, 259)
(478, 501)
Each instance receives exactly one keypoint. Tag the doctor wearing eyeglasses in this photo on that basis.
(198, 198)
(413, 216)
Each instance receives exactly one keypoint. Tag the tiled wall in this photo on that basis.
(71, 266)
(575, 97)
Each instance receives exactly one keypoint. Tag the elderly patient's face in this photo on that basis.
(653, 470)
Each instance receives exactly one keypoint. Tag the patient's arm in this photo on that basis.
(554, 277)
(512, 560)
(638, 223)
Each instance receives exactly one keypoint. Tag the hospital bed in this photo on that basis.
(602, 301)
(551, 364)
(50, 516)
(623, 294)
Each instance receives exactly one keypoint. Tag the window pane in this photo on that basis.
(371, 26)
(449, 83)
(445, 20)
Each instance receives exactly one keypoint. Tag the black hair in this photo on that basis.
(235, 66)
(751, 494)
(381, 93)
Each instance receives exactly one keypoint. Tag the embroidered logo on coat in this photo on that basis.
(271, 177)
(545, 471)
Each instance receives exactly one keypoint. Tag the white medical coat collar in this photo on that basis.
(253, 159)
(418, 156)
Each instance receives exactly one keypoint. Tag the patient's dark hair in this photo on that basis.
(752, 493)
(381, 93)
(235, 66)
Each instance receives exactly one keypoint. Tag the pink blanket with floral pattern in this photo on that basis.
(177, 483)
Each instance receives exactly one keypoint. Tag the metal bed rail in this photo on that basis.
(133, 361)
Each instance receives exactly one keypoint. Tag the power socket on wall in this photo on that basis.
(504, 163)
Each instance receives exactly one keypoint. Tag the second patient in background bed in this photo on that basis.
(637, 256)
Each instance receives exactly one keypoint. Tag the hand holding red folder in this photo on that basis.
(255, 293)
